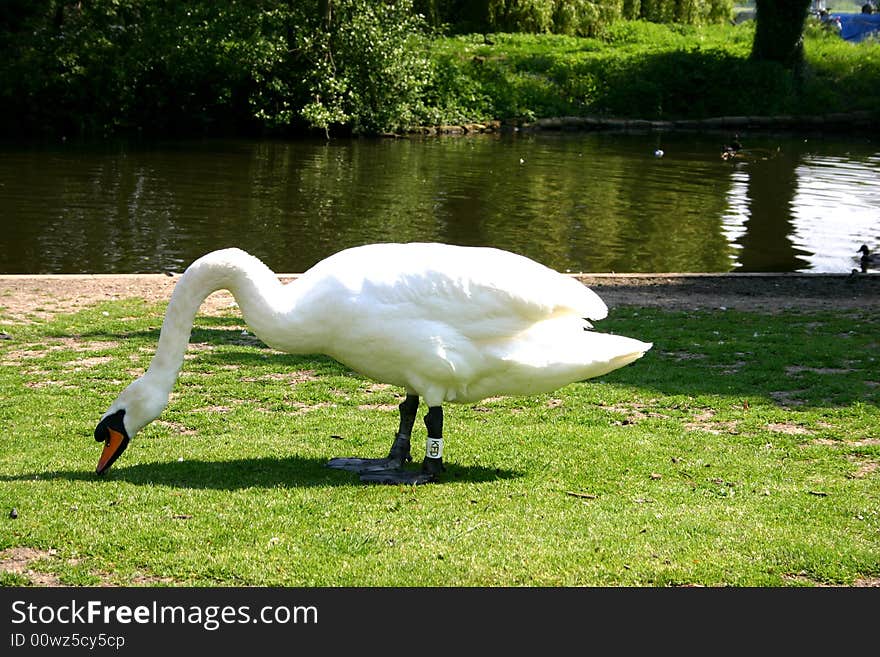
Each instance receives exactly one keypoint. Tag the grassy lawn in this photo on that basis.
(742, 450)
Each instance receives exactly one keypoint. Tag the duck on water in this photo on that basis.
(868, 260)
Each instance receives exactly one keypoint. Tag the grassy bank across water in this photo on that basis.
(742, 450)
(647, 71)
(227, 70)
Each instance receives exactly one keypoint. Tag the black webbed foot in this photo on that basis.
(390, 470)
(397, 457)
(431, 469)
(353, 464)
(409, 477)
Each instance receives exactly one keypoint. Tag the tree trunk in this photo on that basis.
(325, 9)
(779, 31)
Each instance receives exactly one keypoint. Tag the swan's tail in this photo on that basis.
(563, 344)
(546, 359)
(638, 347)
(601, 353)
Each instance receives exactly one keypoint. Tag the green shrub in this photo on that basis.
(209, 66)
(368, 67)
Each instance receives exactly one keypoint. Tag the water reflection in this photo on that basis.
(819, 212)
(827, 205)
(592, 202)
(766, 243)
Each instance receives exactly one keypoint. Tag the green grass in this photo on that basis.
(647, 71)
(743, 450)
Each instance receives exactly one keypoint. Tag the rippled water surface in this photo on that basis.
(591, 202)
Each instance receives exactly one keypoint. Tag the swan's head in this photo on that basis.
(863, 249)
(138, 405)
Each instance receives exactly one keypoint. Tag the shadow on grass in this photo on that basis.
(292, 471)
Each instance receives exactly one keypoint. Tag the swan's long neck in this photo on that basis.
(255, 287)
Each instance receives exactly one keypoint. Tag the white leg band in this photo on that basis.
(434, 448)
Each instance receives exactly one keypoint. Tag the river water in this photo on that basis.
(580, 202)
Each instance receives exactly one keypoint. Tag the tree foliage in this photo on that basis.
(573, 17)
(89, 67)
(367, 66)
(342, 66)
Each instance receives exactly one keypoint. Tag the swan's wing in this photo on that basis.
(484, 293)
(445, 322)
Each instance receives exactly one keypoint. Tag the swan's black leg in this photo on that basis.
(408, 408)
(400, 450)
(433, 462)
(432, 466)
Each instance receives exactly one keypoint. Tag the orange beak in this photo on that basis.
(111, 431)
(114, 445)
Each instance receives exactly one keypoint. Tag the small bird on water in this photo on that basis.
(868, 260)
(729, 151)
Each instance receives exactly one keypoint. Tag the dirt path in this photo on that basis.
(23, 297)
(768, 293)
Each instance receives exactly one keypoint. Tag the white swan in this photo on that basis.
(445, 323)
